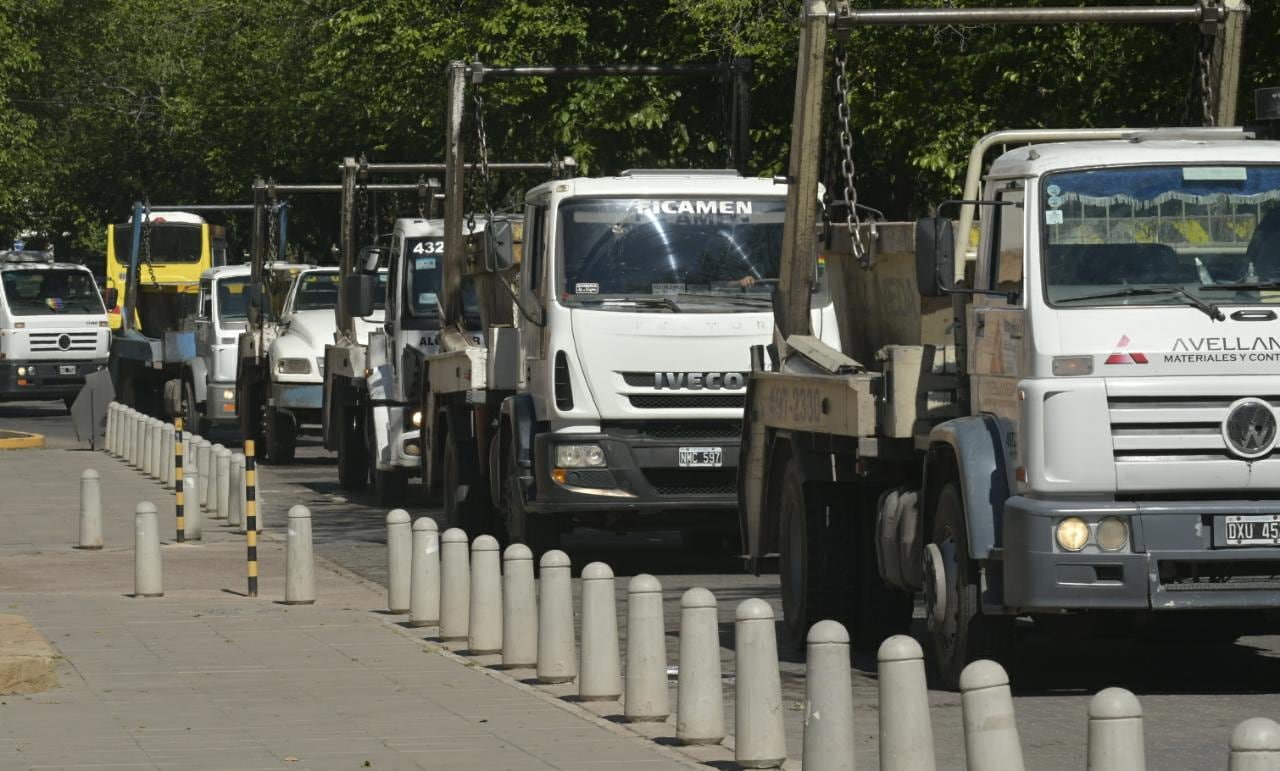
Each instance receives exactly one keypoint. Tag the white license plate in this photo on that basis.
(1252, 529)
(701, 457)
(66, 369)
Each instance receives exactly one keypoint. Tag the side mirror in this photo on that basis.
(253, 308)
(111, 297)
(359, 293)
(499, 245)
(935, 256)
(369, 258)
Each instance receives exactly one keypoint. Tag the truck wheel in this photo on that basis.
(880, 609)
(960, 631)
(463, 502)
(279, 433)
(250, 404)
(814, 555)
(193, 421)
(389, 486)
(541, 533)
(353, 453)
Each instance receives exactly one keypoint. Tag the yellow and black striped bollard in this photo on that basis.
(251, 515)
(177, 481)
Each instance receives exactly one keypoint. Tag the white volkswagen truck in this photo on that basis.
(53, 327)
(616, 399)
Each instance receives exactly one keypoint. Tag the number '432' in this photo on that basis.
(429, 247)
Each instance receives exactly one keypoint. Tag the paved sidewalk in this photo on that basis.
(206, 678)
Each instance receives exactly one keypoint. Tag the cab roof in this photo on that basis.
(1034, 160)
(674, 182)
(416, 227)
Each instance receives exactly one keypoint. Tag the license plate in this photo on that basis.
(1252, 529)
(66, 369)
(701, 457)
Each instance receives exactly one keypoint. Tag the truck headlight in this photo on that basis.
(417, 419)
(1068, 366)
(228, 394)
(579, 455)
(1113, 534)
(1072, 533)
(293, 366)
(22, 371)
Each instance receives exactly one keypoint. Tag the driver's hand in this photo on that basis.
(747, 281)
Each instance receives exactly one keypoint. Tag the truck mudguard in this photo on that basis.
(518, 423)
(198, 371)
(980, 456)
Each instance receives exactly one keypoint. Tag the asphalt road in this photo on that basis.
(1192, 695)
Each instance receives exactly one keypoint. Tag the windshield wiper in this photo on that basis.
(1209, 310)
(1244, 285)
(646, 302)
(738, 298)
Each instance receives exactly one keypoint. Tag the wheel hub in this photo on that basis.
(935, 586)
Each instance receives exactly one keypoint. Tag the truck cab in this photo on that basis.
(53, 327)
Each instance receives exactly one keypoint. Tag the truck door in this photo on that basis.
(997, 324)
(204, 322)
(533, 276)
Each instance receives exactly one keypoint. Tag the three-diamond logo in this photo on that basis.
(1124, 356)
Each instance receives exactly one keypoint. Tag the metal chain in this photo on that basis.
(271, 232)
(482, 147)
(1203, 52)
(146, 247)
(423, 192)
(852, 220)
(362, 207)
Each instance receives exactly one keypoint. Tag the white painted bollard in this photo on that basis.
(399, 557)
(1255, 746)
(484, 626)
(236, 494)
(828, 715)
(1115, 732)
(170, 443)
(699, 696)
(147, 578)
(108, 441)
(760, 741)
(299, 564)
(906, 731)
(216, 472)
(599, 668)
(222, 461)
(424, 567)
(519, 608)
(113, 430)
(204, 457)
(90, 510)
(157, 448)
(139, 440)
(990, 729)
(148, 446)
(455, 584)
(557, 657)
(645, 698)
(192, 517)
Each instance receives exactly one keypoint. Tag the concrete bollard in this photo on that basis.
(557, 659)
(1255, 746)
(1115, 732)
(906, 731)
(759, 734)
(148, 446)
(90, 510)
(157, 448)
(170, 443)
(192, 517)
(204, 457)
(222, 462)
(599, 670)
(109, 439)
(645, 698)
(424, 569)
(139, 440)
(399, 557)
(519, 608)
(699, 696)
(484, 625)
(148, 580)
(235, 493)
(828, 710)
(299, 565)
(990, 728)
(113, 430)
(216, 472)
(455, 585)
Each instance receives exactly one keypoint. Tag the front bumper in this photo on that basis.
(1175, 558)
(297, 396)
(220, 402)
(45, 379)
(643, 475)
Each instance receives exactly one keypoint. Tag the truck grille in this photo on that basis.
(693, 481)
(687, 401)
(1163, 428)
(47, 342)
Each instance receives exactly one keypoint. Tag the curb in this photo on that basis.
(20, 440)
(27, 661)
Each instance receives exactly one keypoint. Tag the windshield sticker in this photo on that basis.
(1053, 217)
(668, 288)
(426, 298)
(1055, 201)
(591, 288)
(1215, 174)
(1053, 190)
(424, 263)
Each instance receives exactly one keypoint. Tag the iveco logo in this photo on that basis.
(696, 381)
(1250, 428)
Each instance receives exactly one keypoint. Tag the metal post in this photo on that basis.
(251, 515)
(179, 486)
(454, 198)
(1224, 67)
(347, 242)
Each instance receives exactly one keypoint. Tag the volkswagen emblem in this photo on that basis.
(1250, 428)
(64, 342)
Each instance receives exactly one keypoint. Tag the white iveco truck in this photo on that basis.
(1080, 426)
(616, 398)
(53, 327)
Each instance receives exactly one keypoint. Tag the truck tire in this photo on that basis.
(540, 532)
(353, 453)
(250, 403)
(194, 422)
(463, 502)
(959, 630)
(279, 436)
(389, 487)
(815, 555)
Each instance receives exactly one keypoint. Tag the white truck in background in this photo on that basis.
(53, 327)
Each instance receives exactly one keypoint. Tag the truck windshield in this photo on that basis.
(233, 299)
(51, 291)
(170, 243)
(424, 257)
(318, 291)
(1211, 232)
(704, 248)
